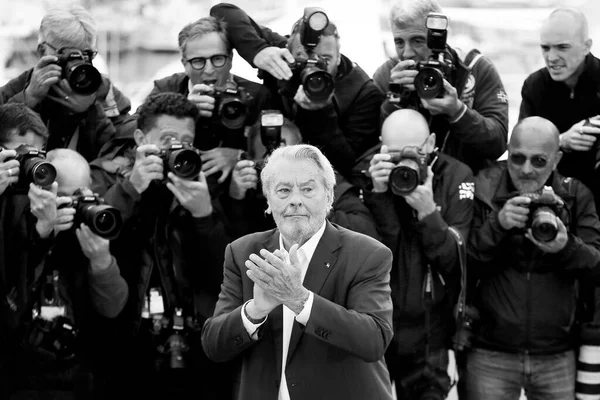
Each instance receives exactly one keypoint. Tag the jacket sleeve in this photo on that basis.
(439, 245)
(108, 290)
(527, 108)
(582, 251)
(343, 138)
(14, 90)
(485, 126)
(223, 335)
(386, 218)
(350, 212)
(363, 327)
(246, 36)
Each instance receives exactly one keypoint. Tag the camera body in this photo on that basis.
(429, 82)
(410, 171)
(231, 106)
(174, 346)
(466, 321)
(104, 220)
(33, 166)
(544, 211)
(182, 159)
(312, 74)
(78, 70)
(427, 383)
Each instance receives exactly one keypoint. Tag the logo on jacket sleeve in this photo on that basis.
(466, 190)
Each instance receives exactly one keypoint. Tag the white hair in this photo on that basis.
(408, 12)
(300, 152)
(71, 26)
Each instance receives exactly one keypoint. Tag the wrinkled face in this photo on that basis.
(298, 199)
(411, 42)
(29, 139)
(166, 129)
(327, 49)
(564, 51)
(531, 161)
(205, 47)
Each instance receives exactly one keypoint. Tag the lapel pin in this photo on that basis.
(327, 265)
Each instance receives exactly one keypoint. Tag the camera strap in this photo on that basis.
(462, 260)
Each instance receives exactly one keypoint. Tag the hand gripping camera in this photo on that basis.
(231, 106)
(102, 219)
(429, 82)
(544, 210)
(182, 159)
(78, 70)
(410, 171)
(34, 167)
(426, 383)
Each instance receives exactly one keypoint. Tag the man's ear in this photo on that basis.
(429, 144)
(557, 158)
(588, 45)
(139, 137)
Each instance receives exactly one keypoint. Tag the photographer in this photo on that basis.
(81, 108)
(347, 210)
(207, 56)
(171, 250)
(341, 117)
(565, 93)
(534, 234)
(417, 196)
(470, 111)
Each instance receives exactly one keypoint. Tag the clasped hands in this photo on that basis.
(275, 282)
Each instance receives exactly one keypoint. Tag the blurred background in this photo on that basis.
(138, 38)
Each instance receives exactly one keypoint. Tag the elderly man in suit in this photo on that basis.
(306, 306)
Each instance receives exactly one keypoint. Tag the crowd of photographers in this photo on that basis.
(114, 222)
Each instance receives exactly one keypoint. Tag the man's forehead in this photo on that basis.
(409, 30)
(327, 45)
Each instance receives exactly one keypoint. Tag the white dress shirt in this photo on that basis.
(305, 254)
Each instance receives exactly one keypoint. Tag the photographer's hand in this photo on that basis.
(404, 74)
(243, 177)
(94, 247)
(45, 74)
(9, 170)
(147, 167)
(64, 216)
(579, 137)
(200, 96)
(514, 213)
(554, 246)
(421, 199)
(44, 207)
(449, 105)
(70, 99)
(275, 61)
(219, 159)
(303, 101)
(380, 170)
(192, 195)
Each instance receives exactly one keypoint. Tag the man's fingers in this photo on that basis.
(254, 278)
(266, 264)
(294, 258)
(586, 138)
(287, 56)
(47, 60)
(145, 150)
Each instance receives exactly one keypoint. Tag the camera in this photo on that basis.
(466, 319)
(174, 345)
(51, 334)
(231, 106)
(399, 95)
(544, 209)
(271, 122)
(78, 70)
(312, 74)
(426, 383)
(102, 219)
(182, 159)
(429, 82)
(410, 171)
(33, 166)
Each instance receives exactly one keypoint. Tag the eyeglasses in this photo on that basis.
(89, 53)
(536, 161)
(217, 61)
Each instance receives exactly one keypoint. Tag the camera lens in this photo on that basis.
(429, 83)
(185, 163)
(41, 173)
(405, 177)
(317, 84)
(103, 220)
(233, 113)
(83, 77)
(544, 227)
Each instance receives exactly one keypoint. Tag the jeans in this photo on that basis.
(493, 375)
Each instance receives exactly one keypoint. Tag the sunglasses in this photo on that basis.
(218, 60)
(536, 161)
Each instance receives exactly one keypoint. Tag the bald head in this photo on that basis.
(72, 170)
(404, 128)
(538, 131)
(568, 18)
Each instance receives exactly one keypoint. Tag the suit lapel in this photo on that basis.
(321, 264)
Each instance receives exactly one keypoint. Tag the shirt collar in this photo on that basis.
(308, 248)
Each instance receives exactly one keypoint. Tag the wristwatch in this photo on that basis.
(252, 320)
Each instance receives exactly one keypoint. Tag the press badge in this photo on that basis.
(156, 305)
(51, 304)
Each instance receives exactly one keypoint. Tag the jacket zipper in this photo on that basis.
(528, 316)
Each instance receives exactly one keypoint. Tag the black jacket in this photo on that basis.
(544, 97)
(527, 298)
(418, 244)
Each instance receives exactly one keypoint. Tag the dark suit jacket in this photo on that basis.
(339, 353)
